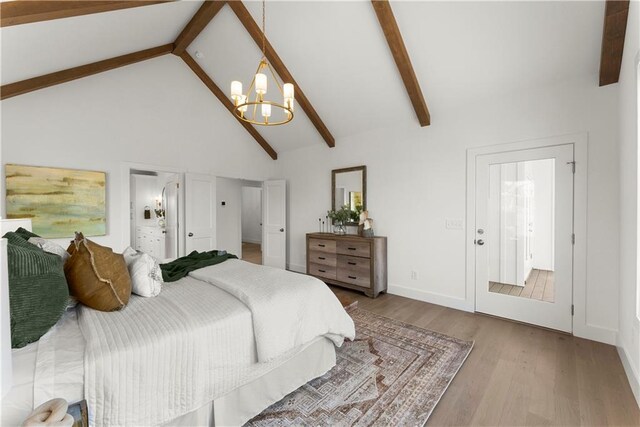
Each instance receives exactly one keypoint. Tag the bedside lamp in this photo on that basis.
(5, 314)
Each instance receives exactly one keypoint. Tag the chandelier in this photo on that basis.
(258, 110)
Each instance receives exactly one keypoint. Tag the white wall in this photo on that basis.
(416, 180)
(252, 214)
(228, 217)
(629, 335)
(156, 112)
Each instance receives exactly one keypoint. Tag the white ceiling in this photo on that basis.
(38, 48)
(337, 53)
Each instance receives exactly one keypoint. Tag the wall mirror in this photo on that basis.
(349, 187)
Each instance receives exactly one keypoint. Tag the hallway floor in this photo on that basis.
(252, 252)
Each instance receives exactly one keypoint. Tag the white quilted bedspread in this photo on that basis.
(162, 357)
(288, 309)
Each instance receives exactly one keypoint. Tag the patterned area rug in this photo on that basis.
(392, 374)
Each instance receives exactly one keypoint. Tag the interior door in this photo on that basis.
(524, 199)
(170, 203)
(274, 212)
(200, 212)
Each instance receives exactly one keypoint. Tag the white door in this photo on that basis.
(171, 205)
(513, 189)
(274, 212)
(200, 212)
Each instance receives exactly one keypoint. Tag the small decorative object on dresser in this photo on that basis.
(350, 261)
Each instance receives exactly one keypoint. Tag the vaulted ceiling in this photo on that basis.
(338, 54)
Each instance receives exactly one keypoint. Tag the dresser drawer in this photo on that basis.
(323, 258)
(358, 274)
(322, 271)
(361, 249)
(322, 245)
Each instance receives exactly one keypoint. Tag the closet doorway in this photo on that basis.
(252, 221)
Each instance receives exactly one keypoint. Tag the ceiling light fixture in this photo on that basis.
(270, 113)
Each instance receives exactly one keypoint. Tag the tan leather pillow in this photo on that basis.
(97, 276)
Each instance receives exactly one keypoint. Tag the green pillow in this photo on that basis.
(25, 234)
(38, 291)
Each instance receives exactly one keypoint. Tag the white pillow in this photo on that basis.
(146, 277)
(50, 247)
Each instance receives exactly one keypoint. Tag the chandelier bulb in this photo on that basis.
(261, 84)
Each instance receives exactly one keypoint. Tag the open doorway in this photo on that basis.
(154, 211)
(252, 221)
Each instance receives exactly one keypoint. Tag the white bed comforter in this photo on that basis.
(288, 309)
(165, 356)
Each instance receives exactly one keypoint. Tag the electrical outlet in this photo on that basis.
(414, 275)
(454, 224)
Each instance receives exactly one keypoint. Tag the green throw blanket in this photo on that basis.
(179, 268)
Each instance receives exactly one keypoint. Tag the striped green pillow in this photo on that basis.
(38, 291)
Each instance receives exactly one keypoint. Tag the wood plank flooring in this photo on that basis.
(252, 252)
(519, 375)
(540, 285)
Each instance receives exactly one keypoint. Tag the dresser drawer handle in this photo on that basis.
(321, 271)
(352, 263)
(353, 249)
(352, 277)
(322, 246)
(321, 257)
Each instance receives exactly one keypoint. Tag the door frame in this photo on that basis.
(125, 191)
(580, 141)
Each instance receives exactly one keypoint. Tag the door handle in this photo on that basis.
(480, 242)
(190, 234)
(282, 230)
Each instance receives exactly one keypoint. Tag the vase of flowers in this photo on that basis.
(339, 219)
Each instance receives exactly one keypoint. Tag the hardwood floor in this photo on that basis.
(519, 375)
(540, 285)
(252, 252)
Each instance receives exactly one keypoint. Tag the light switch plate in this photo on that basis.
(454, 224)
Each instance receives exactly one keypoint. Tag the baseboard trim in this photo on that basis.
(256, 242)
(297, 268)
(430, 297)
(632, 375)
(595, 333)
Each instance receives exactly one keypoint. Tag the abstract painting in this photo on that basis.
(58, 201)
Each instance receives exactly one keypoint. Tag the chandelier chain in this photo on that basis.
(264, 34)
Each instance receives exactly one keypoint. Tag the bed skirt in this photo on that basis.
(242, 404)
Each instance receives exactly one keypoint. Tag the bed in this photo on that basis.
(214, 348)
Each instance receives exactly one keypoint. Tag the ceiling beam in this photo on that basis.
(401, 56)
(27, 11)
(256, 33)
(52, 79)
(613, 33)
(222, 97)
(203, 16)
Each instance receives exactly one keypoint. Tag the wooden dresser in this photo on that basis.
(353, 262)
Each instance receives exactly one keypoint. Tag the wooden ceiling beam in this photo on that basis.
(401, 57)
(47, 80)
(26, 11)
(222, 97)
(256, 33)
(613, 33)
(203, 16)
